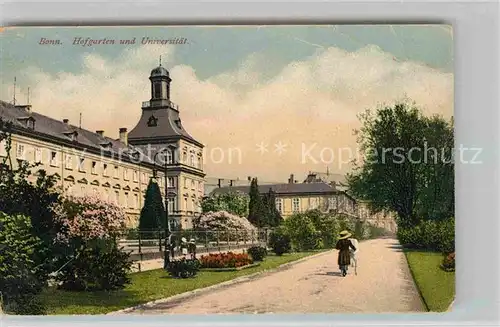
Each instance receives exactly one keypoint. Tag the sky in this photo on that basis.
(266, 101)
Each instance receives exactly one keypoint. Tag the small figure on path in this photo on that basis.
(184, 247)
(343, 245)
(192, 248)
(353, 253)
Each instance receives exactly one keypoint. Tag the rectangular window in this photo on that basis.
(193, 205)
(296, 205)
(192, 185)
(125, 200)
(117, 197)
(171, 205)
(136, 176)
(185, 182)
(3, 145)
(20, 151)
(94, 168)
(105, 170)
(82, 190)
(185, 204)
(53, 159)
(68, 164)
(331, 203)
(144, 178)
(279, 205)
(136, 201)
(116, 172)
(38, 155)
(81, 164)
(170, 182)
(192, 162)
(125, 174)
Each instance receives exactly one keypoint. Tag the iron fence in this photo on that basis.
(149, 245)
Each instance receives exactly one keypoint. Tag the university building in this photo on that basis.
(320, 191)
(118, 170)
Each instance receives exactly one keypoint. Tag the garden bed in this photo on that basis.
(232, 268)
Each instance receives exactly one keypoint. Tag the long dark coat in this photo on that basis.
(344, 255)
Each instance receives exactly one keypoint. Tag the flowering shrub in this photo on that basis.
(88, 217)
(225, 260)
(223, 220)
(92, 259)
(449, 262)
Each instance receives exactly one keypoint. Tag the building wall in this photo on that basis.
(190, 189)
(290, 204)
(340, 202)
(83, 173)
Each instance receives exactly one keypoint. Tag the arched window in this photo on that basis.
(157, 90)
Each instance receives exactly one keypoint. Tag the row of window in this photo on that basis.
(313, 204)
(69, 163)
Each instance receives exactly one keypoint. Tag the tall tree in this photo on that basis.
(255, 206)
(153, 212)
(232, 202)
(400, 171)
(273, 216)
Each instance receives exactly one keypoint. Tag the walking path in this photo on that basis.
(383, 284)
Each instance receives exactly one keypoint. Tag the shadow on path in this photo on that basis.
(330, 273)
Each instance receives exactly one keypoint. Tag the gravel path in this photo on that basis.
(383, 284)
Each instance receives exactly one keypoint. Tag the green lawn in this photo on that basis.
(148, 286)
(436, 286)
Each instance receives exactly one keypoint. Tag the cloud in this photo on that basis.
(310, 104)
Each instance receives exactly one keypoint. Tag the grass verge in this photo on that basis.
(149, 286)
(436, 286)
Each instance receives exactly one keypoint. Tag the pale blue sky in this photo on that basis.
(213, 50)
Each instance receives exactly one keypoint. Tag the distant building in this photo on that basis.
(315, 193)
(116, 169)
(295, 197)
(338, 181)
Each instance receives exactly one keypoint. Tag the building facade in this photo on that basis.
(161, 135)
(294, 197)
(315, 193)
(118, 170)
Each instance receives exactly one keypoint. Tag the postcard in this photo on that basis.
(227, 169)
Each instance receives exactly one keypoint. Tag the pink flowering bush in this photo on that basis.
(88, 218)
(92, 260)
(223, 220)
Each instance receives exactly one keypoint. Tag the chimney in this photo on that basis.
(100, 132)
(123, 135)
(291, 180)
(66, 121)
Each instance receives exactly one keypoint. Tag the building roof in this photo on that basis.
(57, 131)
(288, 188)
(328, 178)
(159, 71)
(166, 124)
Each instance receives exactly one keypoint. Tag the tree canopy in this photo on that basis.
(408, 163)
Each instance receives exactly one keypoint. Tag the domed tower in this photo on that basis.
(160, 87)
(160, 130)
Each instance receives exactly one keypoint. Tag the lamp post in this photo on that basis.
(168, 231)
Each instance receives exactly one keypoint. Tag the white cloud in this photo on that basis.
(314, 101)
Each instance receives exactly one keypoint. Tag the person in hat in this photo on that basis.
(343, 245)
(184, 246)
